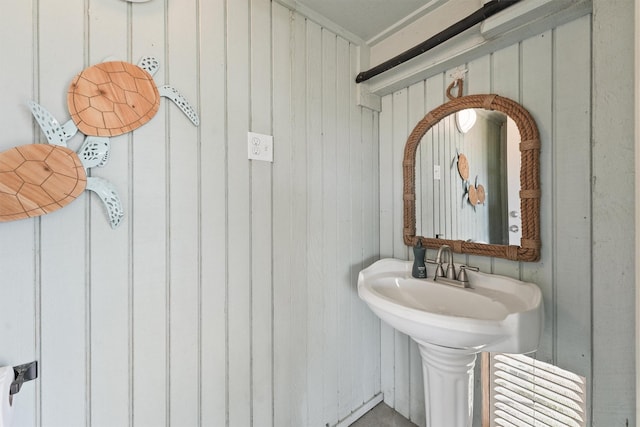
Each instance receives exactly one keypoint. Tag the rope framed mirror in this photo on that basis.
(529, 173)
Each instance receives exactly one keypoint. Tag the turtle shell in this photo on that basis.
(473, 195)
(112, 98)
(37, 179)
(481, 194)
(463, 167)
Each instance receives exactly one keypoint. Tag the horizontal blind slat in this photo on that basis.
(530, 393)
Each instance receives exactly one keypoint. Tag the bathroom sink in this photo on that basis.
(496, 313)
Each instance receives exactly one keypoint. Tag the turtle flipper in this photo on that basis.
(150, 64)
(55, 133)
(182, 103)
(94, 151)
(107, 193)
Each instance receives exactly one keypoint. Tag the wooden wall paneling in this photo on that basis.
(434, 96)
(371, 243)
(506, 82)
(537, 98)
(64, 292)
(614, 258)
(478, 81)
(149, 216)
(415, 113)
(345, 226)
(572, 212)
(330, 223)
(109, 282)
(374, 245)
(360, 353)
(315, 270)
(20, 284)
(184, 218)
(213, 212)
(386, 171)
(387, 231)
(261, 219)
(239, 273)
(400, 251)
(282, 227)
(300, 245)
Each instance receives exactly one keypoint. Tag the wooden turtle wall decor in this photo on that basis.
(36, 179)
(110, 99)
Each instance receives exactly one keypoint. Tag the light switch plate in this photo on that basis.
(260, 147)
(436, 172)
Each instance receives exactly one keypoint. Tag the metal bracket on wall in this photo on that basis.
(23, 373)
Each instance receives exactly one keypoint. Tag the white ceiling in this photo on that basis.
(366, 18)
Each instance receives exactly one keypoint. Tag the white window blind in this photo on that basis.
(526, 392)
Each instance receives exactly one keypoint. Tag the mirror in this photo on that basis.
(477, 183)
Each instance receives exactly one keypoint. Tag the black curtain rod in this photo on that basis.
(489, 9)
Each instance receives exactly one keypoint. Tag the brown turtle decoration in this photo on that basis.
(109, 99)
(481, 194)
(36, 179)
(463, 167)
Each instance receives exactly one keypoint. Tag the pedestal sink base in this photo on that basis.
(448, 385)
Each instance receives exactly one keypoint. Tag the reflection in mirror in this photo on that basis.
(447, 205)
(473, 206)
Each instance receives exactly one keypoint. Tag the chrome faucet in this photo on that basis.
(450, 277)
(451, 270)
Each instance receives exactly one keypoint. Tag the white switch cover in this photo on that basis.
(436, 172)
(260, 147)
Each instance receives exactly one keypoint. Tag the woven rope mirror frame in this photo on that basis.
(529, 249)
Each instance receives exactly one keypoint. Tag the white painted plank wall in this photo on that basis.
(537, 73)
(227, 297)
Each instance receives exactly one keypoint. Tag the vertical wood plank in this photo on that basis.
(415, 113)
(434, 96)
(613, 256)
(298, 405)
(401, 341)
(239, 290)
(63, 238)
(148, 211)
(184, 277)
(572, 203)
(214, 237)
(19, 282)
(387, 227)
(315, 232)
(282, 234)
(110, 281)
(344, 230)
(372, 350)
(261, 219)
(537, 96)
(330, 233)
(506, 82)
(358, 365)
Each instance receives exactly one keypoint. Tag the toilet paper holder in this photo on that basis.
(23, 373)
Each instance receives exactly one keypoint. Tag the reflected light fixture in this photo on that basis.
(465, 119)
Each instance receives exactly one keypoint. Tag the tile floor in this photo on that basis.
(383, 416)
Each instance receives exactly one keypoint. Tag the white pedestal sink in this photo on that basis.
(451, 325)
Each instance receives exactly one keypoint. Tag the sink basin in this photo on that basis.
(496, 314)
(451, 325)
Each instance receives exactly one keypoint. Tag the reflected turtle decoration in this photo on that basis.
(36, 179)
(110, 99)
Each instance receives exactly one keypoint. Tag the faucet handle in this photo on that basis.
(451, 271)
(462, 276)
